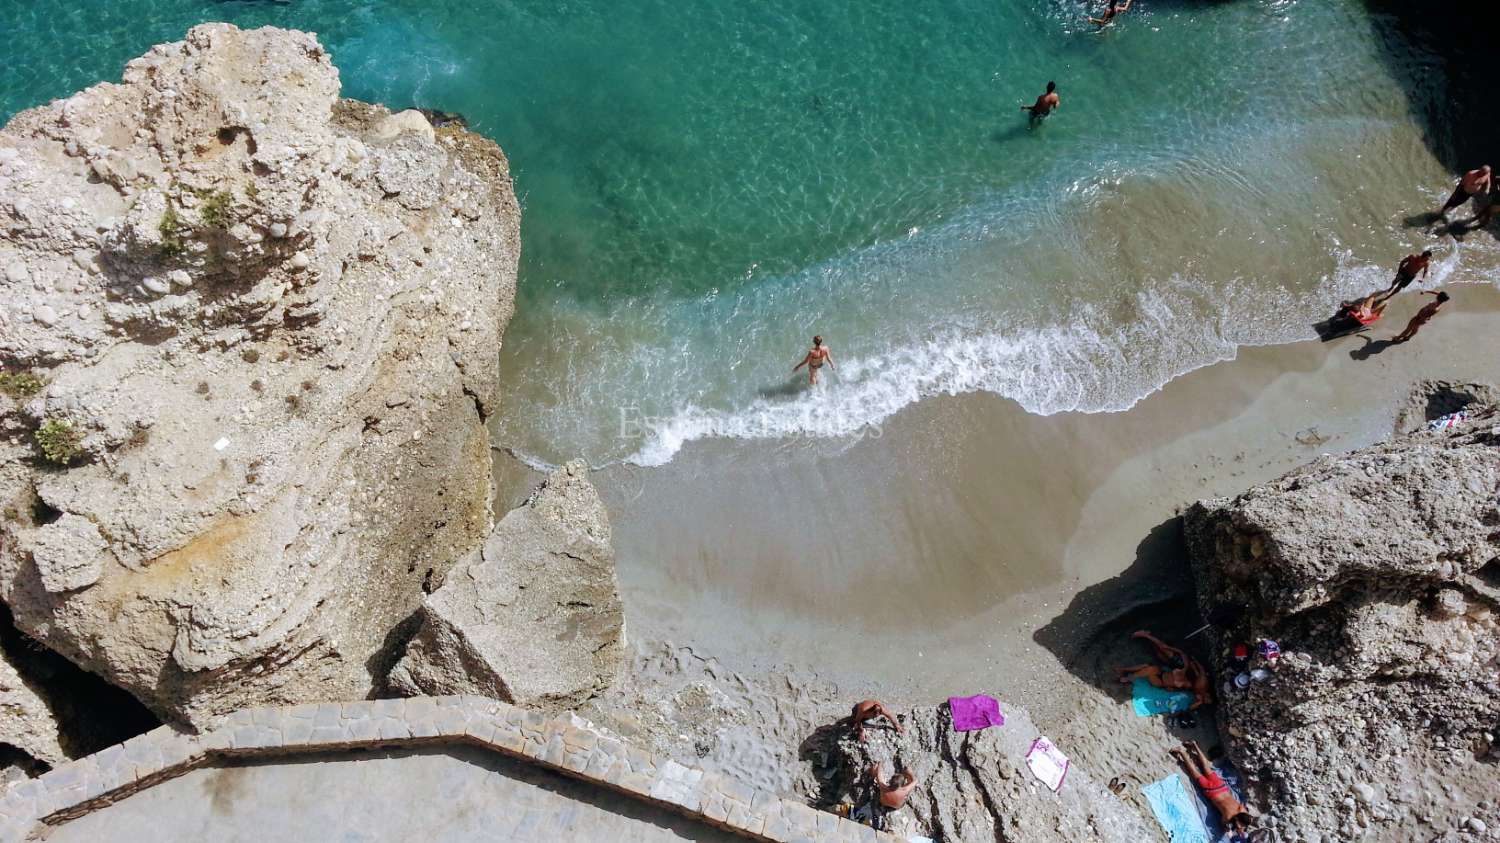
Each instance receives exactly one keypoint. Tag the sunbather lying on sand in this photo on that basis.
(1195, 763)
(867, 710)
(1182, 672)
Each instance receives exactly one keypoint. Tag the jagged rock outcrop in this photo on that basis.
(264, 323)
(533, 617)
(1377, 573)
(972, 786)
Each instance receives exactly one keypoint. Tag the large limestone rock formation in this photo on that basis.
(1377, 573)
(533, 617)
(266, 321)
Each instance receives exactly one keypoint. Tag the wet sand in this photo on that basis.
(970, 546)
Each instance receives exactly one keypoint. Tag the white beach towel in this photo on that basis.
(1047, 763)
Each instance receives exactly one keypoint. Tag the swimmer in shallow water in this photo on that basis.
(1045, 104)
(1116, 7)
(815, 360)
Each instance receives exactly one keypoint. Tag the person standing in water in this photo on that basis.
(1045, 103)
(815, 360)
(1410, 268)
(1474, 183)
(1116, 7)
(1422, 318)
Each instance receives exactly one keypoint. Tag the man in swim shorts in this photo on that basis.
(1115, 8)
(893, 793)
(866, 710)
(815, 360)
(1409, 269)
(1474, 183)
(1423, 316)
(1045, 103)
(1234, 814)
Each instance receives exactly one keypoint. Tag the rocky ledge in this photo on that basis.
(1378, 572)
(249, 335)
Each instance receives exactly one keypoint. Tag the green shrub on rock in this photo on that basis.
(60, 442)
(20, 385)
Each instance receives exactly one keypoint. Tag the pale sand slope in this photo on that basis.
(973, 547)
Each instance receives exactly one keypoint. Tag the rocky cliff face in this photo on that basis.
(249, 334)
(1378, 572)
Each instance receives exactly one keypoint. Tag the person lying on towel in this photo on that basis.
(1234, 814)
(1182, 672)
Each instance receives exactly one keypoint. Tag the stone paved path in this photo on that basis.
(433, 794)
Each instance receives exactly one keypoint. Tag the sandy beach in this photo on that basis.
(971, 546)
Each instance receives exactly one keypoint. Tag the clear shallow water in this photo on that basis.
(707, 184)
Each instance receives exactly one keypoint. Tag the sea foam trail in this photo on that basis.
(1080, 367)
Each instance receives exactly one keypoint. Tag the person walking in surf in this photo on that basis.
(1116, 7)
(1474, 183)
(1410, 268)
(1045, 103)
(815, 360)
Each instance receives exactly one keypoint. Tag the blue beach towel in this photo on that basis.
(1149, 700)
(1176, 810)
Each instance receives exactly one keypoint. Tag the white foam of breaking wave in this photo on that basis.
(1092, 364)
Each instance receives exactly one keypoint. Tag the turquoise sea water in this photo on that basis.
(707, 184)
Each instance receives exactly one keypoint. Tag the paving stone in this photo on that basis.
(618, 769)
(239, 718)
(268, 716)
(329, 715)
(388, 708)
(361, 731)
(575, 762)
(598, 765)
(743, 819)
(778, 828)
(451, 719)
(392, 728)
(306, 711)
(481, 729)
(827, 823)
(637, 783)
(327, 736)
(577, 738)
(803, 818)
(297, 731)
(554, 752)
(508, 739)
(420, 706)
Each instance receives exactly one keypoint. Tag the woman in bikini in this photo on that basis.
(1234, 814)
(815, 360)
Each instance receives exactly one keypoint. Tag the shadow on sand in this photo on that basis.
(1092, 635)
(1371, 348)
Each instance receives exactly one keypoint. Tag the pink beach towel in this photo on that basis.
(976, 712)
(1047, 763)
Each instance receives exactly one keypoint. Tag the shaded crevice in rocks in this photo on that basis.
(1443, 55)
(91, 713)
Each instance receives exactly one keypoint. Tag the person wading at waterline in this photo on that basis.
(1474, 183)
(1411, 266)
(815, 360)
(1115, 8)
(1045, 103)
